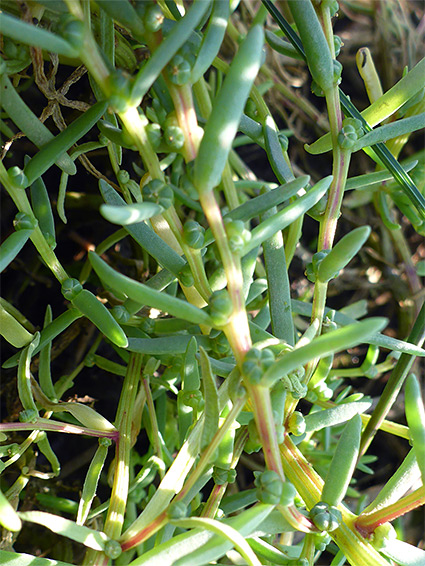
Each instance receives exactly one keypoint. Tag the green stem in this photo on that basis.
(137, 537)
(124, 420)
(186, 117)
(229, 188)
(22, 203)
(193, 257)
(154, 423)
(237, 330)
(394, 384)
(136, 127)
(211, 506)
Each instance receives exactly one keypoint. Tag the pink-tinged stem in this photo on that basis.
(367, 523)
(48, 425)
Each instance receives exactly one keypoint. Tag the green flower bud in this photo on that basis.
(153, 18)
(161, 113)
(325, 517)
(253, 443)
(123, 176)
(351, 131)
(71, 288)
(18, 177)
(192, 398)
(337, 71)
(316, 89)
(256, 363)
(73, 31)
(186, 276)
(269, 487)
(153, 131)
(288, 494)
(237, 234)
(158, 192)
(113, 549)
(251, 109)
(28, 416)
(219, 343)
(120, 313)
(193, 234)
(221, 307)
(121, 84)
(90, 360)
(24, 221)
(179, 70)
(296, 424)
(174, 137)
(337, 44)
(321, 541)
(283, 140)
(347, 137)
(383, 535)
(222, 476)
(311, 268)
(147, 325)
(280, 432)
(177, 510)
(332, 5)
(322, 391)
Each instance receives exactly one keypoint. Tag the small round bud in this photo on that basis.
(28, 416)
(221, 307)
(113, 549)
(123, 176)
(177, 510)
(71, 288)
(337, 44)
(174, 137)
(120, 313)
(158, 192)
(316, 89)
(73, 31)
(283, 140)
(337, 71)
(24, 221)
(222, 475)
(296, 424)
(153, 131)
(220, 344)
(18, 177)
(269, 487)
(186, 276)
(325, 516)
(153, 18)
(256, 363)
(179, 70)
(332, 5)
(192, 398)
(194, 234)
(120, 84)
(237, 235)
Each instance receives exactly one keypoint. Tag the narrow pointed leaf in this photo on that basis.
(415, 415)
(211, 407)
(131, 213)
(335, 415)
(147, 296)
(324, 345)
